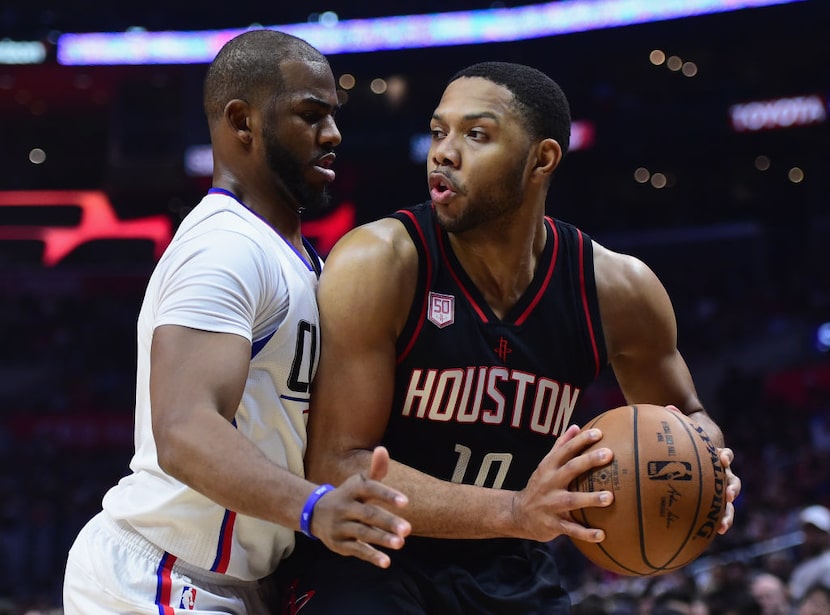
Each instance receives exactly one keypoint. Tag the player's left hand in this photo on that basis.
(733, 489)
(356, 515)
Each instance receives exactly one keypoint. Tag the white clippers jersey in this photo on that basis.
(226, 270)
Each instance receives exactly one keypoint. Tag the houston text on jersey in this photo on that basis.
(492, 395)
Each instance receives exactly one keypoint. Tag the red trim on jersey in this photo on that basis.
(469, 297)
(223, 557)
(523, 316)
(588, 320)
(164, 584)
(422, 316)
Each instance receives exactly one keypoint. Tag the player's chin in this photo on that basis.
(449, 218)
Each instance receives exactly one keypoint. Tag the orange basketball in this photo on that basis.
(668, 486)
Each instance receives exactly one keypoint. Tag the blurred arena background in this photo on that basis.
(700, 145)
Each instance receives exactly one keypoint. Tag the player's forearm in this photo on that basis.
(437, 508)
(442, 509)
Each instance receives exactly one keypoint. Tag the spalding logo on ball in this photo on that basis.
(668, 486)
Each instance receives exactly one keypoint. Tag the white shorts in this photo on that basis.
(112, 569)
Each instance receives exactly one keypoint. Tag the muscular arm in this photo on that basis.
(641, 336)
(365, 295)
(196, 385)
(641, 333)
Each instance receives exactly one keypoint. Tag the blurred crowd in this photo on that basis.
(787, 574)
(67, 358)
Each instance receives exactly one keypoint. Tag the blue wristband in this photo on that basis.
(308, 509)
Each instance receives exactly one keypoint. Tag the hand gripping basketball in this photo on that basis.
(669, 491)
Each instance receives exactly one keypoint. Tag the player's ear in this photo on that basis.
(548, 156)
(237, 114)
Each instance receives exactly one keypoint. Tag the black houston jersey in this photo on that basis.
(479, 399)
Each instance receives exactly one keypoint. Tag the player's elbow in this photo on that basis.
(330, 465)
(315, 469)
(167, 461)
(171, 451)
(322, 467)
(168, 457)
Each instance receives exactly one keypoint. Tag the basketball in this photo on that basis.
(668, 486)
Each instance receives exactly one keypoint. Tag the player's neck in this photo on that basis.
(276, 209)
(501, 264)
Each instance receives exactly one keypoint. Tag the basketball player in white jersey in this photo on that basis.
(228, 343)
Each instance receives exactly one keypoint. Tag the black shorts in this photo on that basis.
(430, 576)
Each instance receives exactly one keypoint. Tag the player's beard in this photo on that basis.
(289, 170)
(498, 198)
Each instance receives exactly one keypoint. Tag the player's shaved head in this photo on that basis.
(248, 68)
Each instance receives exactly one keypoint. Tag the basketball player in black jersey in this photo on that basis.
(460, 333)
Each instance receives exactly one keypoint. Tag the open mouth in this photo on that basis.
(441, 189)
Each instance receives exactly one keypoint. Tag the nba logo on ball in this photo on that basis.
(669, 470)
(441, 310)
(668, 487)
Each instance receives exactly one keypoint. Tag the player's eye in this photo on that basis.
(312, 117)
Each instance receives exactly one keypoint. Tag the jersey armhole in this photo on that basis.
(417, 312)
(590, 302)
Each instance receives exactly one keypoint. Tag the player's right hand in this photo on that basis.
(356, 515)
(544, 506)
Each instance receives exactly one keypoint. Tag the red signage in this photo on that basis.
(99, 221)
(326, 231)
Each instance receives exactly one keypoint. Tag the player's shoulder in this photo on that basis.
(618, 265)
(383, 240)
(622, 275)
